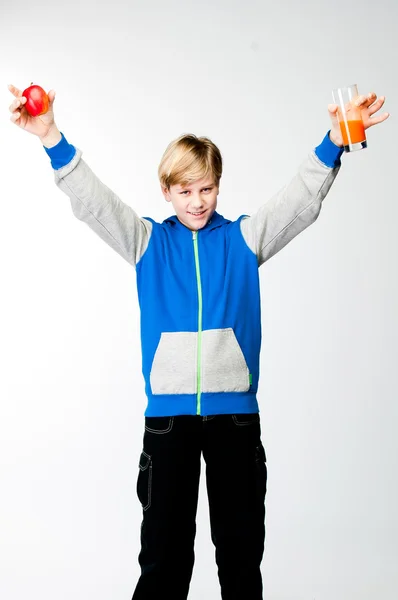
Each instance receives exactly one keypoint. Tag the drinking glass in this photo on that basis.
(350, 118)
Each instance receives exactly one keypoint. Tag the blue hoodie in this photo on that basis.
(198, 292)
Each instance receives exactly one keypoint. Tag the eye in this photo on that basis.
(204, 189)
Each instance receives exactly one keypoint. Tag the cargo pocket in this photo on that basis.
(224, 367)
(144, 483)
(174, 364)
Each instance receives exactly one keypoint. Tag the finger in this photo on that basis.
(365, 101)
(379, 119)
(370, 98)
(376, 106)
(15, 116)
(17, 104)
(14, 90)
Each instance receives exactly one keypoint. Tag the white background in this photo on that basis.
(255, 77)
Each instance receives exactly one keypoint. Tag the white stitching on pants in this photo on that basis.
(142, 468)
(162, 431)
(243, 423)
(149, 489)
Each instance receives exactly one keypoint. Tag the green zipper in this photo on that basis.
(199, 359)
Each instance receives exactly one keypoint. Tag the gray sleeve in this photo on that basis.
(103, 211)
(296, 206)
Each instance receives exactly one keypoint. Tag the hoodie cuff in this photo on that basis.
(328, 152)
(61, 154)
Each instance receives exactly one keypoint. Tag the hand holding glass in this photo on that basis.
(350, 118)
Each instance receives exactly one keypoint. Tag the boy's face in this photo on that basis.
(195, 203)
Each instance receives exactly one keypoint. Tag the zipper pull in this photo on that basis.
(194, 235)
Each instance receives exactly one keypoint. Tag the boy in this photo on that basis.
(198, 288)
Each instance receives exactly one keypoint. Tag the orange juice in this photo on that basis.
(356, 129)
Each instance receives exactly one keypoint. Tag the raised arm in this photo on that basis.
(92, 201)
(296, 205)
(97, 205)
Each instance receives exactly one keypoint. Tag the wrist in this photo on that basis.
(61, 153)
(329, 152)
(52, 137)
(336, 139)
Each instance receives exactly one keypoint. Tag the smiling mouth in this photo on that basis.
(196, 214)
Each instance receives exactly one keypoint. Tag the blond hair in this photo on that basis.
(189, 158)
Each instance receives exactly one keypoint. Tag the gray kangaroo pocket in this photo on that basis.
(174, 364)
(223, 365)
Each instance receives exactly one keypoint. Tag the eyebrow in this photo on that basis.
(187, 187)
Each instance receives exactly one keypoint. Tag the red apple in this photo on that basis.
(36, 100)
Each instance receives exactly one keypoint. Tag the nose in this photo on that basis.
(197, 202)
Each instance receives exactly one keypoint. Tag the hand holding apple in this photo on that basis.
(28, 111)
(37, 101)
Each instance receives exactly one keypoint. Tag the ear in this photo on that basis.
(166, 193)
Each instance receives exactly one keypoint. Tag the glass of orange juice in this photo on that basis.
(350, 118)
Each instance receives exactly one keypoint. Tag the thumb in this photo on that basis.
(333, 108)
(51, 97)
